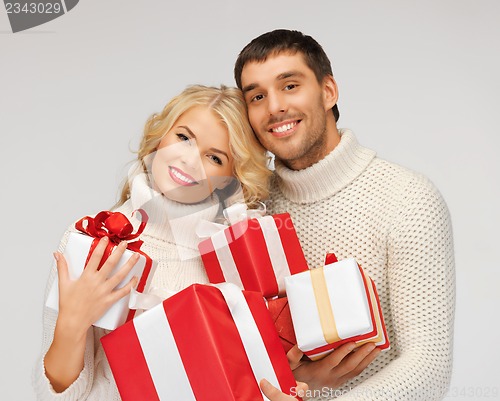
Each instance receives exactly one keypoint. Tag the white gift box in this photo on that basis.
(76, 253)
(330, 306)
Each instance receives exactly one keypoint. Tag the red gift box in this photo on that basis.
(204, 343)
(280, 314)
(255, 254)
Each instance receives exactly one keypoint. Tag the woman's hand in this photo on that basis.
(335, 369)
(85, 300)
(81, 303)
(274, 394)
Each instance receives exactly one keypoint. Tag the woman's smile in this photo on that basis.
(180, 177)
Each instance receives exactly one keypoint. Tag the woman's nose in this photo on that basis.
(190, 157)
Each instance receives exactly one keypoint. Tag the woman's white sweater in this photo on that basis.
(169, 239)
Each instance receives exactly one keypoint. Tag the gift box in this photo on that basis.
(204, 343)
(280, 314)
(256, 254)
(333, 305)
(80, 247)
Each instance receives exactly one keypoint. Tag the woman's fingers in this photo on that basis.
(125, 290)
(62, 267)
(118, 277)
(97, 255)
(113, 259)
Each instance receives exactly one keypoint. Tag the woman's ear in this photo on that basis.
(330, 92)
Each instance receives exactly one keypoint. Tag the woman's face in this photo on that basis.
(193, 158)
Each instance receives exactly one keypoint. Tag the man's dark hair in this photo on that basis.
(286, 41)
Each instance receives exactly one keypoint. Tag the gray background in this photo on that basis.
(418, 83)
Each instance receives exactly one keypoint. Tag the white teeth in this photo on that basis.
(284, 127)
(181, 177)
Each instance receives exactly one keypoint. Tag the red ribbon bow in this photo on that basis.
(113, 225)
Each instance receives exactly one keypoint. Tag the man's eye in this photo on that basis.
(215, 159)
(290, 87)
(256, 98)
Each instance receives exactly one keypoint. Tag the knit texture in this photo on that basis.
(169, 239)
(396, 225)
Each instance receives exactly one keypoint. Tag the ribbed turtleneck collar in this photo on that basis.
(329, 175)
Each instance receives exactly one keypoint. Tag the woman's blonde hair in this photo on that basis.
(250, 159)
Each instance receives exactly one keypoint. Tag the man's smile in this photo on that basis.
(284, 128)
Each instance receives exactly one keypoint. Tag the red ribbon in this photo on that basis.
(113, 225)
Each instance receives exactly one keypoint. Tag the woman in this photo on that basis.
(192, 158)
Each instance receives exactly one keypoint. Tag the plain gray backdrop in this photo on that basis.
(418, 83)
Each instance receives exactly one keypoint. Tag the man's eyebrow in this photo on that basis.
(280, 77)
(289, 74)
(249, 88)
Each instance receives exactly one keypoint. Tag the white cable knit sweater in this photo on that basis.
(396, 225)
(172, 274)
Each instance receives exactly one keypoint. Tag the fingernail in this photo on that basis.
(123, 244)
(56, 256)
(104, 239)
(351, 347)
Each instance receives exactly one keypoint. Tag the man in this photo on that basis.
(343, 198)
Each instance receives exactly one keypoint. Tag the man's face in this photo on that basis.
(288, 107)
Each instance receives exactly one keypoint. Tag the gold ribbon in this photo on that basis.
(324, 305)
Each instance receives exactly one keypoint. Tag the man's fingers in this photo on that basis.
(363, 364)
(351, 362)
(62, 267)
(96, 256)
(294, 356)
(337, 356)
(301, 389)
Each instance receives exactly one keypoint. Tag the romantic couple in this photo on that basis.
(208, 146)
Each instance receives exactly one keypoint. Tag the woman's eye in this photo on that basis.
(215, 159)
(182, 137)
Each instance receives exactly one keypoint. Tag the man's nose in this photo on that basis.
(276, 103)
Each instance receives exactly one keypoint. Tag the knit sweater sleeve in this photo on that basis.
(93, 383)
(421, 280)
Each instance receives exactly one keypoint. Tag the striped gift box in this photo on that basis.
(203, 343)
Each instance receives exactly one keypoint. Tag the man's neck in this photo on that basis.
(323, 148)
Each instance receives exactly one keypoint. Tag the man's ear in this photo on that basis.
(330, 92)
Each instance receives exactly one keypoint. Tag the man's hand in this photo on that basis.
(274, 394)
(335, 369)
